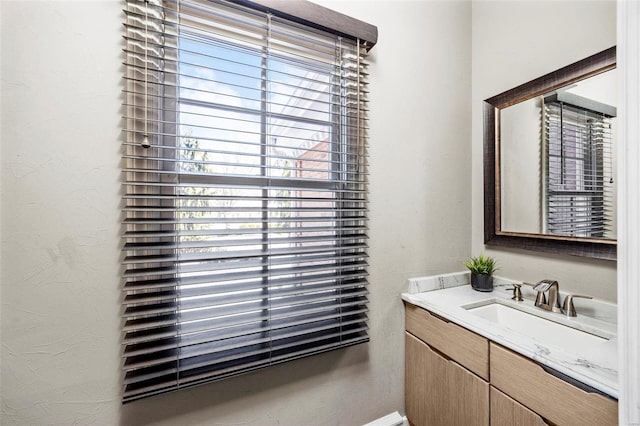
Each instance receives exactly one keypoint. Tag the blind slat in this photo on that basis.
(578, 170)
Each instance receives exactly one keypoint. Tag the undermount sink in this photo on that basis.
(541, 329)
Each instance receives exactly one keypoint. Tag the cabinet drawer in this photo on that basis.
(554, 399)
(465, 347)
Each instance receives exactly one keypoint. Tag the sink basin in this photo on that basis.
(535, 327)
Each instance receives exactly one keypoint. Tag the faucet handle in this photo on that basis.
(567, 306)
(517, 293)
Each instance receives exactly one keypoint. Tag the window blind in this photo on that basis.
(244, 193)
(579, 170)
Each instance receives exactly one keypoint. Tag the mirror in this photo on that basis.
(549, 161)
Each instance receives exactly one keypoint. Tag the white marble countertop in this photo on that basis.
(596, 365)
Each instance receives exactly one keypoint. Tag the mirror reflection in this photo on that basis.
(557, 161)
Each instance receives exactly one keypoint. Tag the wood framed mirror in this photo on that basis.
(562, 198)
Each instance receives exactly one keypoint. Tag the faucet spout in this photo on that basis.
(553, 302)
(543, 285)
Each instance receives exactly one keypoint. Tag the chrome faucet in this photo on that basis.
(552, 302)
(568, 308)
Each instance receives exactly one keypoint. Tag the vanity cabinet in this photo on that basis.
(456, 377)
(446, 372)
(506, 411)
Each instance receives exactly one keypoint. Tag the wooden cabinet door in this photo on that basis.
(440, 392)
(506, 411)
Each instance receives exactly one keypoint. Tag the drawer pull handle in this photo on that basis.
(574, 382)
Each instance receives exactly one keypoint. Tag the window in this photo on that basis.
(579, 166)
(245, 193)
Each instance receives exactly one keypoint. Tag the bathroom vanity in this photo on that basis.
(481, 358)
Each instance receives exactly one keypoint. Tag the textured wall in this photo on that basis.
(514, 42)
(59, 272)
(60, 220)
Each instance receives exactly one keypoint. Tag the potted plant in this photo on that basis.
(482, 269)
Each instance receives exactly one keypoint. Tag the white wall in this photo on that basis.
(59, 271)
(520, 166)
(514, 42)
(1, 102)
(629, 177)
(60, 220)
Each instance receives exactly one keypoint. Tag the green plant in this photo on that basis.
(481, 265)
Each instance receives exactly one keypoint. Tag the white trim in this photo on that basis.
(393, 419)
(628, 55)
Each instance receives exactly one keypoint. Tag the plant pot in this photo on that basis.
(482, 282)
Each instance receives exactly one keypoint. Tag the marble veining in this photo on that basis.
(542, 350)
(597, 367)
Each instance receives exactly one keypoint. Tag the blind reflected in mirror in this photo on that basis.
(557, 161)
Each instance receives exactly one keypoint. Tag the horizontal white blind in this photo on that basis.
(244, 193)
(579, 171)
